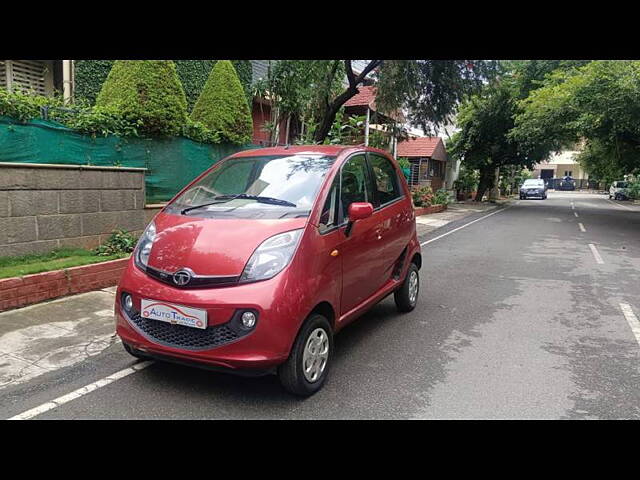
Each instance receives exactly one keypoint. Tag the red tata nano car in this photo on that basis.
(255, 265)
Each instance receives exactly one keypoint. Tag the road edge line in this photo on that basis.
(465, 225)
(80, 392)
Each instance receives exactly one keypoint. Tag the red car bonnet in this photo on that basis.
(211, 246)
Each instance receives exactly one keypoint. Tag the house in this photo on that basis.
(560, 165)
(43, 77)
(364, 104)
(428, 159)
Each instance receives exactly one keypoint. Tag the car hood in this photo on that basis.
(211, 246)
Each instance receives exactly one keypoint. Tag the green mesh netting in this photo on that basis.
(171, 163)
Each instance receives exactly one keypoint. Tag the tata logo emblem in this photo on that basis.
(182, 277)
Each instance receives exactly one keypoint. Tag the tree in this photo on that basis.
(296, 89)
(598, 103)
(222, 106)
(483, 142)
(426, 90)
(148, 91)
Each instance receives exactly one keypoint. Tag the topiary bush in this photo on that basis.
(149, 91)
(91, 74)
(222, 106)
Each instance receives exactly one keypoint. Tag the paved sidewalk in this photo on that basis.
(47, 336)
(455, 211)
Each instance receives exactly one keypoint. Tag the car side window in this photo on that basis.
(385, 180)
(330, 213)
(354, 183)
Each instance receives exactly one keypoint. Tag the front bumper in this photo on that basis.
(532, 194)
(224, 343)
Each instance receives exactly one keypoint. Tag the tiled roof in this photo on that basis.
(365, 96)
(418, 147)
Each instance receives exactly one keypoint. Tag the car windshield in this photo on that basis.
(266, 187)
(621, 185)
(534, 183)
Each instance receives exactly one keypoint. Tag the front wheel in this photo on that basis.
(306, 369)
(406, 296)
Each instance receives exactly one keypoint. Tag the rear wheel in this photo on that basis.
(307, 367)
(406, 296)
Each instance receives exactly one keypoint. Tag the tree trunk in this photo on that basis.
(332, 108)
(487, 175)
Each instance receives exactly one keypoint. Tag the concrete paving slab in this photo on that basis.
(51, 335)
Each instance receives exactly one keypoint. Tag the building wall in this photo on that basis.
(43, 207)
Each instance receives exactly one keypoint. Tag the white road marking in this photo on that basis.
(632, 320)
(582, 229)
(596, 255)
(80, 392)
(463, 226)
(576, 214)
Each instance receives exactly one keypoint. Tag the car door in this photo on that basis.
(361, 268)
(394, 214)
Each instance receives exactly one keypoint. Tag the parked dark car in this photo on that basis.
(567, 183)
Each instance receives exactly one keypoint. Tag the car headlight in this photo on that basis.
(143, 248)
(271, 257)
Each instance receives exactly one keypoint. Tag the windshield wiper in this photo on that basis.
(227, 198)
(270, 200)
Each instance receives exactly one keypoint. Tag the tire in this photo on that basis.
(618, 197)
(402, 296)
(133, 352)
(291, 373)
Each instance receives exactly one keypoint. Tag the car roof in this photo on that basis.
(330, 150)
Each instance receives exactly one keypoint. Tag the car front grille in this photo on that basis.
(186, 338)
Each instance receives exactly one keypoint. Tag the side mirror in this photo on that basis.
(360, 211)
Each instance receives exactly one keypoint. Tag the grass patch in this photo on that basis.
(55, 260)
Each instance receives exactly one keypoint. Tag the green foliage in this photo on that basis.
(633, 189)
(89, 77)
(441, 197)
(404, 162)
(467, 179)
(148, 91)
(429, 90)
(346, 130)
(46, 262)
(422, 196)
(222, 106)
(599, 102)
(91, 74)
(23, 107)
(118, 242)
(193, 75)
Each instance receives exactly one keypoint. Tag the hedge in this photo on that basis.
(91, 74)
(148, 91)
(222, 106)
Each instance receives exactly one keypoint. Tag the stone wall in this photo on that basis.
(43, 207)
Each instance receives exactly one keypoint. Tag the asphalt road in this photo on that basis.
(516, 319)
